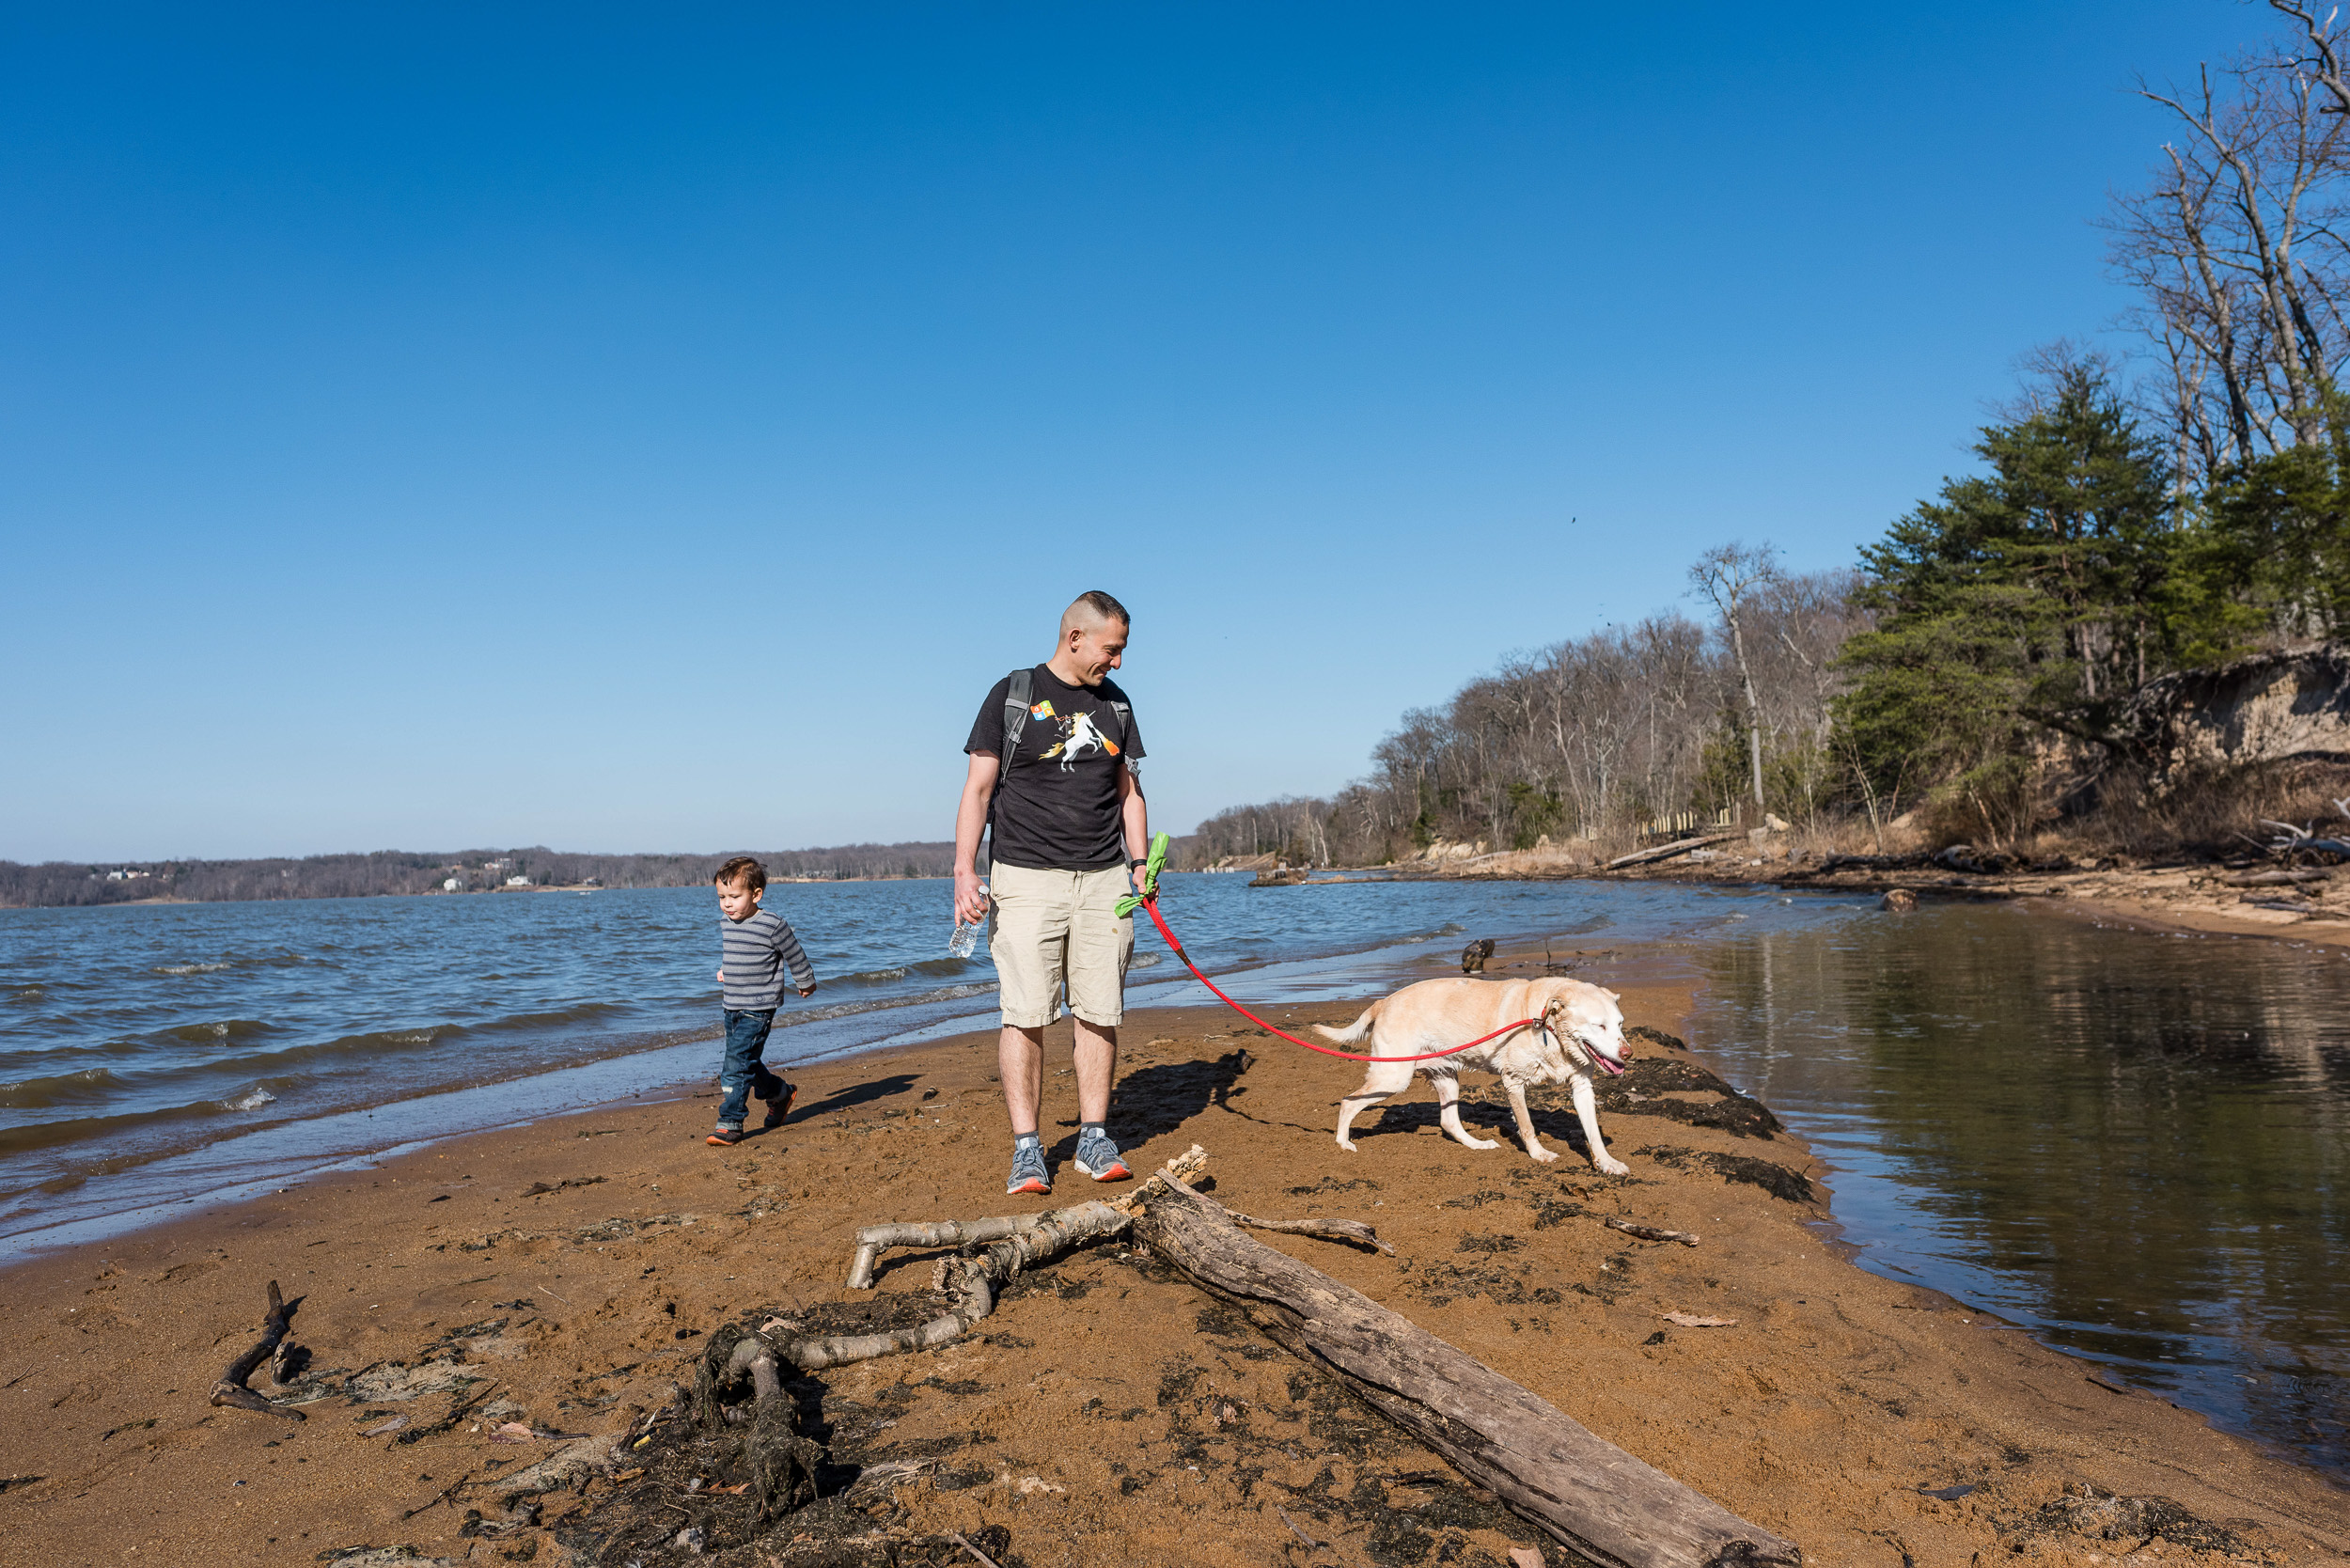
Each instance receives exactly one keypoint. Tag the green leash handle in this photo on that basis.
(1160, 844)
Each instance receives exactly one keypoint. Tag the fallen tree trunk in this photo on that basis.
(1665, 852)
(230, 1389)
(1589, 1495)
(2275, 879)
(1600, 1501)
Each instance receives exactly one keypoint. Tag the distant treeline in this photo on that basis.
(396, 871)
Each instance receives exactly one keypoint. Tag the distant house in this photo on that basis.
(451, 885)
(518, 882)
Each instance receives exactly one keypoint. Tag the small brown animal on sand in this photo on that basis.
(1473, 956)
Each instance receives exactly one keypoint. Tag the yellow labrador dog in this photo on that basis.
(1581, 1029)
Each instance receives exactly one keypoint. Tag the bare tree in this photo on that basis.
(2237, 249)
(1729, 575)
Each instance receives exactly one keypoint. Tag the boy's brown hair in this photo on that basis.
(745, 868)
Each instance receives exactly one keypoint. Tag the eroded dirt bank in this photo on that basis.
(564, 1276)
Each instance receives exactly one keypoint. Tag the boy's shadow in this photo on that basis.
(856, 1094)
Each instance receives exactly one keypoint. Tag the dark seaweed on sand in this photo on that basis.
(1776, 1180)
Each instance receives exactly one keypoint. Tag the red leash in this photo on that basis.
(1151, 903)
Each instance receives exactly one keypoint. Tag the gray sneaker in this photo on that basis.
(1098, 1157)
(1028, 1170)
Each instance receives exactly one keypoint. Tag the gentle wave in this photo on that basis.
(849, 1010)
(80, 1129)
(96, 1084)
(227, 1029)
(60, 1089)
(555, 1017)
(260, 961)
(934, 967)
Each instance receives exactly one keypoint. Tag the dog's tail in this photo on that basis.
(1355, 1030)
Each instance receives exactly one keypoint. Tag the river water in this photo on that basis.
(2137, 1144)
(154, 1056)
(2134, 1144)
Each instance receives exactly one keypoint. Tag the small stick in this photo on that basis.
(564, 1299)
(1650, 1233)
(442, 1497)
(967, 1545)
(230, 1389)
(1310, 1541)
(1348, 1230)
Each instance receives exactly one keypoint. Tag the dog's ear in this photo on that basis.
(1613, 995)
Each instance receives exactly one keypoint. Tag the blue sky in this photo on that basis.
(432, 427)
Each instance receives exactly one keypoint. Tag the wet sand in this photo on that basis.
(1108, 1412)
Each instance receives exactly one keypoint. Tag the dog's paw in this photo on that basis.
(1545, 1156)
(1481, 1142)
(1610, 1166)
(1347, 1146)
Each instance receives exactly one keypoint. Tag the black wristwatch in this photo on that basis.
(1131, 864)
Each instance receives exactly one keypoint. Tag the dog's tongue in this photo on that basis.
(1613, 1068)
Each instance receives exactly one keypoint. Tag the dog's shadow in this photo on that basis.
(1484, 1117)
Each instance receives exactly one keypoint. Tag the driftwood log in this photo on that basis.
(1598, 1500)
(1665, 852)
(874, 1239)
(230, 1389)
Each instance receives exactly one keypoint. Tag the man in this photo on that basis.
(1069, 828)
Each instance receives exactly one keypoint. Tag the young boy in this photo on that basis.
(754, 947)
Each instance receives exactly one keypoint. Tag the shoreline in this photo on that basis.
(550, 1259)
(2175, 898)
(468, 892)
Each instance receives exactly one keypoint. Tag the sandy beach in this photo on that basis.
(557, 1281)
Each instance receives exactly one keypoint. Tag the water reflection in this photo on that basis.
(2135, 1143)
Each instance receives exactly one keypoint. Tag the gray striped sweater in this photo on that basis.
(754, 952)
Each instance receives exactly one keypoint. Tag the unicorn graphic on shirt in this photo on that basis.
(1079, 737)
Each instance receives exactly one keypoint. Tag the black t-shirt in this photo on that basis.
(1058, 808)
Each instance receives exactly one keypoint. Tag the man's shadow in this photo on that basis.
(1161, 1098)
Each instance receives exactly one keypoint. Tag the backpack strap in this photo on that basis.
(1017, 695)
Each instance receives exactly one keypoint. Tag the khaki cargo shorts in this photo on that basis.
(1055, 929)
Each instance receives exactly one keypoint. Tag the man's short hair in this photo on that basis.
(1098, 606)
(743, 869)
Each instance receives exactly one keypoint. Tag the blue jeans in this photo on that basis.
(744, 1073)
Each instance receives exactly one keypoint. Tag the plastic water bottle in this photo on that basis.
(965, 940)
